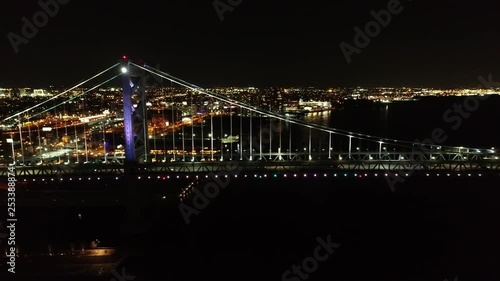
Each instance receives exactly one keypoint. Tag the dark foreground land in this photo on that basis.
(257, 229)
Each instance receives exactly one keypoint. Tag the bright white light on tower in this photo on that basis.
(124, 70)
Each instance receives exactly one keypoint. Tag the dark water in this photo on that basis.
(428, 229)
(410, 121)
(257, 229)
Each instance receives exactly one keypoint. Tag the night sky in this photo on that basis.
(260, 43)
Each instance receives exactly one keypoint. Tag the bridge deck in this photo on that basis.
(229, 167)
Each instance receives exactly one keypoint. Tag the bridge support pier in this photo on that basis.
(138, 197)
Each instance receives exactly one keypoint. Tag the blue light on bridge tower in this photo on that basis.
(127, 114)
(134, 119)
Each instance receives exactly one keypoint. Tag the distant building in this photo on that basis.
(32, 93)
(315, 105)
(6, 93)
(25, 92)
(41, 93)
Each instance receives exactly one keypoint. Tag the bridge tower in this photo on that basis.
(135, 117)
(136, 145)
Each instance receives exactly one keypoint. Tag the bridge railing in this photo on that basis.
(58, 171)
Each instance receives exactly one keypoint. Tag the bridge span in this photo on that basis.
(237, 167)
(261, 141)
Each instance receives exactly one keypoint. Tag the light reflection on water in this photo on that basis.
(322, 118)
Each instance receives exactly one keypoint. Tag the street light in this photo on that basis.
(21, 139)
(76, 146)
(104, 141)
(39, 141)
(380, 149)
(85, 121)
(11, 141)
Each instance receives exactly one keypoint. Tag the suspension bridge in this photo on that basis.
(218, 134)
